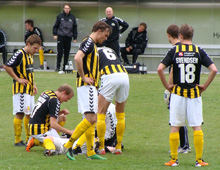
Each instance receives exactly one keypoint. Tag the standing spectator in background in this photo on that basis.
(30, 30)
(116, 24)
(135, 43)
(3, 42)
(64, 29)
(20, 68)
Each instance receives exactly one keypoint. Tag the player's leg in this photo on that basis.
(79, 143)
(184, 142)
(120, 101)
(41, 57)
(195, 120)
(61, 120)
(18, 111)
(49, 146)
(177, 119)
(101, 125)
(120, 127)
(18, 128)
(26, 121)
(28, 107)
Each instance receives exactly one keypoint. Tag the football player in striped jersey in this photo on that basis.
(87, 64)
(44, 125)
(114, 83)
(186, 101)
(20, 67)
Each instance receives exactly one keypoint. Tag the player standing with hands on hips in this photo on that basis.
(20, 67)
(186, 101)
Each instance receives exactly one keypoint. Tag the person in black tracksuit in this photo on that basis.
(135, 43)
(64, 29)
(115, 23)
(3, 49)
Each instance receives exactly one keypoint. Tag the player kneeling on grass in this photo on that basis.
(43, 123)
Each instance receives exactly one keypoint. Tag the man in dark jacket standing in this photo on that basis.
(64, 29)
(135, 43)
(118, 27)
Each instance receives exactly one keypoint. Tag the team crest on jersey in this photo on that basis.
(180, 54)
(113, 24)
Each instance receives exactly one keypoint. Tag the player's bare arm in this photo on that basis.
(57, 127)
(35, 89)
(79, 65)
(10, 71)
(213, 71)
(64, 111)
(161, 74)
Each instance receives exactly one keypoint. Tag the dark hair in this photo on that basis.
(186, 31)
(100, 25)
(143, 24)
(173, 30)
(30, 22)
(67, 88)
(34, 39)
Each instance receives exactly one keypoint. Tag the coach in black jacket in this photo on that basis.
(136, 43)
(118, 27)
(64, 29)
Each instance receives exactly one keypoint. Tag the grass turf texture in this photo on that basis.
(146, 134)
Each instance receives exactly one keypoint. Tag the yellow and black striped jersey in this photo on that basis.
(187, 60)
(22, 64)
(46, 106)
(90, 62)
(109, 62)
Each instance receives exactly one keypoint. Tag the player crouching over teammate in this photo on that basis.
(43, 123)
(114, 83)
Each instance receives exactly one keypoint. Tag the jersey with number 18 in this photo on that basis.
(187, 61)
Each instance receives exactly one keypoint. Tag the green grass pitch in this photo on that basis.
(146, 134)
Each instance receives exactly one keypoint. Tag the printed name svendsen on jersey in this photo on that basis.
(186, 60)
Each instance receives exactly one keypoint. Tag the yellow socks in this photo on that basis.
(90, 136)
(101, 128)
(17, 129)
(80, 129)
(61, 123)
(120, 128)
(48, 144)
(41, 56)
(174, 143)
(198, 143)
(81, 141)
(26, 121)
